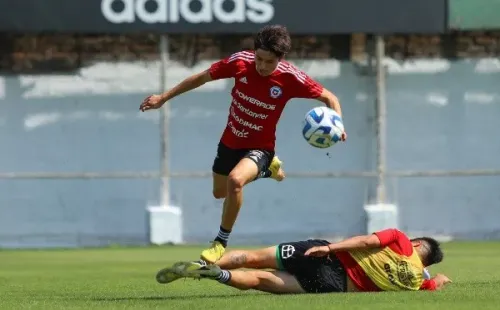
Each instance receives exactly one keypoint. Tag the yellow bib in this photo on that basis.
(389, 270)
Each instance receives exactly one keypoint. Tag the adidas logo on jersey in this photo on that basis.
(244, 80)
(191, 11)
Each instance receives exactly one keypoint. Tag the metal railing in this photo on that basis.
(208, 174)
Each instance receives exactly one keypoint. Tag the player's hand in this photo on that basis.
(344, 136)
(318, 251)
(441, 280)
(152, 102)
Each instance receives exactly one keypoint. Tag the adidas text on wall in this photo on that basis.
(191, 11)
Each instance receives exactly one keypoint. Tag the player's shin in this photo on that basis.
(224, 232)
(264, 281)
(232, 206)
(238, 279)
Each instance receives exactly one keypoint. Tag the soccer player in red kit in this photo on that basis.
(386, 260)
(263, 84)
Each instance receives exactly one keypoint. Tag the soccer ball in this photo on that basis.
(322, 127)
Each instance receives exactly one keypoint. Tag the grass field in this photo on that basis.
(118, 278)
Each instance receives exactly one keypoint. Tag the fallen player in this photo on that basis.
(384, 261)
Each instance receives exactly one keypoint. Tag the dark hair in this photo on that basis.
(275, 39)
(433, 250)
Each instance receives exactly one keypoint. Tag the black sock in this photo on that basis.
(223, 236)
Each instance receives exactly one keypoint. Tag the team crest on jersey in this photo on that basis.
(275, 92)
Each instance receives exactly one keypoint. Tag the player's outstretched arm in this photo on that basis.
(358, 242)
(190, 83)
(330, 100)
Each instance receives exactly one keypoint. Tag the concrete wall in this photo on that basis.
(441, 115)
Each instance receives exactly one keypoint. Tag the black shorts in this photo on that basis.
(314, 274)
(227, 158)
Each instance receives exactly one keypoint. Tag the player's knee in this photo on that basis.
(235, 182)
(219, 193)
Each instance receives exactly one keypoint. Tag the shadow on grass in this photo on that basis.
(180, 297)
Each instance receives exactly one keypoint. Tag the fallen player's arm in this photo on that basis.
(190, 83)
(376, 240)
(358, 242)
(331, 101)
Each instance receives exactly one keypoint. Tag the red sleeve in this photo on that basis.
(307, 87)
(228, 67)
(428, 285)
(387, 236)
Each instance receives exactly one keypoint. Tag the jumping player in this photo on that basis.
(384, 261)
(264, 83)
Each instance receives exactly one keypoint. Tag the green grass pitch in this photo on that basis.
(124, 278)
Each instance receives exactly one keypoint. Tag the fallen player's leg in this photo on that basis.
(277, 282)
(265, 258)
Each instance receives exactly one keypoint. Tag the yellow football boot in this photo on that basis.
(214, 253)
(276, 172)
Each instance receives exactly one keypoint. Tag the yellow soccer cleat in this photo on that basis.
(276, 172)
(214, 253)
(176, 271)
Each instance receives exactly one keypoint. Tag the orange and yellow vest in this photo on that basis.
(389, 270)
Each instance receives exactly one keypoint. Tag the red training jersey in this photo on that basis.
(365, 267)
(258, 101)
